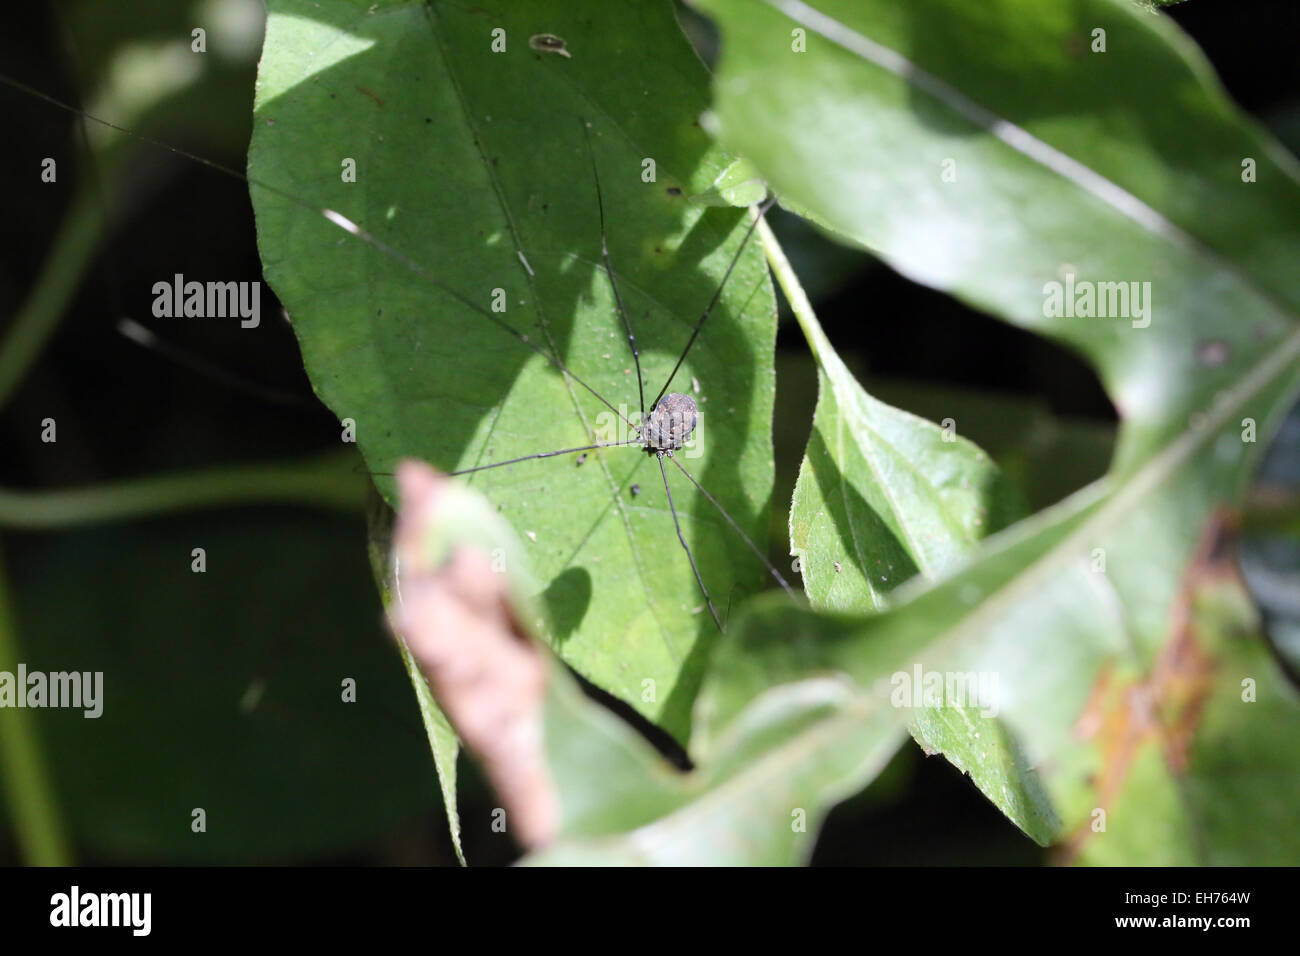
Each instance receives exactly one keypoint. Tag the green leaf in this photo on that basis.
(814, 723)
(881, 493)
(759, 801)
(1037, 195)
(443, 743)
(981, 746)
(1028, 612)
(473, 164)
(1182, 381)
(738, 185)
(856, 131)
(1045, 456)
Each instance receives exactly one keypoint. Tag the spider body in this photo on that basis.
(670, 424)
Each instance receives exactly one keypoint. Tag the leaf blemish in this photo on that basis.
(1213, 353)
(549, 43)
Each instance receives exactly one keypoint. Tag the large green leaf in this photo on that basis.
(472, 164)
(883, 495)
(1146, 186)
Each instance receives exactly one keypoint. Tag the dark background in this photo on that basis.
(282, 782)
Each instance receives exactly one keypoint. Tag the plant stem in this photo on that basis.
(59, 280)
(326, 481)
(32, 804)
(794, 293)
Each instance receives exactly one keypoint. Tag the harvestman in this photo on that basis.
(673, 415)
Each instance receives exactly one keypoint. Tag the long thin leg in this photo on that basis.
(515, 461)
(767, 204)
(736, 528)
(682, 538)
(146, 337)
(609, 270)
(546, 454)
(343, 222)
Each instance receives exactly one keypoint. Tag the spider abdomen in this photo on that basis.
(671, 423)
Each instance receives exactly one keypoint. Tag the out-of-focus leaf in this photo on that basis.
(1194, 764)
(443, 742)
(224, 690)
(1270, 547)
(462, 606)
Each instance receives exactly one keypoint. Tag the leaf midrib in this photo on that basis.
(1113, 507)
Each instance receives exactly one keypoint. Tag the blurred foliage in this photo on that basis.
(223, 689)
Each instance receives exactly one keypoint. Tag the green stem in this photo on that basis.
(794, 293)
(32, 804)
(327, 481)
(58, 282)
